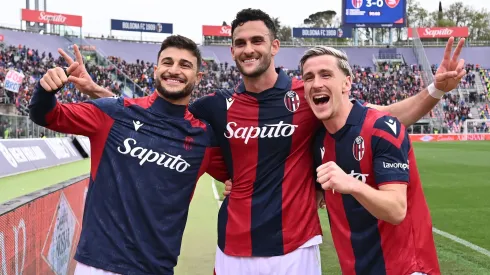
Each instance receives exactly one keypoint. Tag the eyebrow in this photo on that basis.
(180, 61)
(252, 38)
(326, 71)
(308, 73)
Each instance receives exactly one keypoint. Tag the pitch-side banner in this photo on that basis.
(84, 144)
(23, 155)
(437, 32)
(216, 30)
(138, 26)
(39, 232)
(53, 18)
(448, 137)
(322, 32)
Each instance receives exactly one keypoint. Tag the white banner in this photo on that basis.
(13, 81)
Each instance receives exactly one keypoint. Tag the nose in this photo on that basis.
(174, 69)
(249, 50)
(317, 83)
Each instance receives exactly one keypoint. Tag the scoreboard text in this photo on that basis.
(374, 13)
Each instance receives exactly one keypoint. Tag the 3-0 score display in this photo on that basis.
(374, 13)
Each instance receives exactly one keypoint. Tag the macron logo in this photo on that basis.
(229, 101)
(137, 125)
(322, 151)
(392, 125)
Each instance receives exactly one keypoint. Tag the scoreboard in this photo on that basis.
(374, 13)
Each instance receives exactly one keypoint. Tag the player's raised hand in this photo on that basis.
(451, 70)
(56, 78)
(80, 77)
(331, 176)
(228, 185)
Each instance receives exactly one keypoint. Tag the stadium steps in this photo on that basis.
(474, 111)
(130, 88)
(478, 83)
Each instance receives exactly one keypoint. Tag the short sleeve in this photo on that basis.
(391, 146)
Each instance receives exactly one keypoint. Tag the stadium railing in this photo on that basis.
(295, 43)
(13, 126)
(333, 43)
(427, 77)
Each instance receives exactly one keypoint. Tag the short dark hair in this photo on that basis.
(183, 43)
(247, 15)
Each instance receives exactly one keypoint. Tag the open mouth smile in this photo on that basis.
(173, 80)
(321, 99)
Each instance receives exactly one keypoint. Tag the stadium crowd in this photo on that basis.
(390, 83)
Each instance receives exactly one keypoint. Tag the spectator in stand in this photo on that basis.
(33, 65)
(393, 83)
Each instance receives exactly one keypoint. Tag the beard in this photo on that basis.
(189, 87)
(259, 70)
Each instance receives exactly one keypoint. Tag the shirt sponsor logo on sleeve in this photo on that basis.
(388, 165)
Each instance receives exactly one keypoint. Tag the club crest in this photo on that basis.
(357, 3)
(291, 101)
(358, 148)
(188, 143)
(392, 3)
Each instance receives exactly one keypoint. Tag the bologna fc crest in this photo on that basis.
(340, 33)
(358, 148)
(357, 3)
(391, 3)
(291, 100)
(188, 143)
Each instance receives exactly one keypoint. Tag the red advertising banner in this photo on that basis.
(216, 30)
(41, 236)
(437, 32)
(51, 18)
(448, 137)
(1, 38)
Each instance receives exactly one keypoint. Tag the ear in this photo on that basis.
(199, 76)
(155, 71)
(347, 85)
(275, 45)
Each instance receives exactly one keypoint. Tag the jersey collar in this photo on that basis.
(354, 118)
(355, 115)
(282, 82)
(161, 106)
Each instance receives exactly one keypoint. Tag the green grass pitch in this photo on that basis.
(456, 181)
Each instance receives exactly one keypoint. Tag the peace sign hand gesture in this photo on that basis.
(80, 77)
(450, 72)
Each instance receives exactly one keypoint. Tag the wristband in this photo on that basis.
(434, 92)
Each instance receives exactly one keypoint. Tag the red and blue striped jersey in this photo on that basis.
(375, 148)
(147, 155)
(266, 141)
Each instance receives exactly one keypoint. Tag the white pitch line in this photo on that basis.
(215, 192)
(435, 230)
(462, 242)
